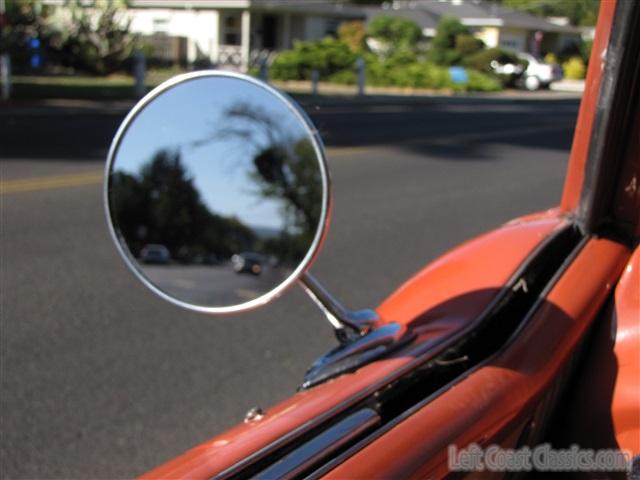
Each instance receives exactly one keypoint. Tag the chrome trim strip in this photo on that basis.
(320, 446)
(325, 215)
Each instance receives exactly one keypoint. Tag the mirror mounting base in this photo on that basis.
(350, 356)
(348, 324)
(363, 337)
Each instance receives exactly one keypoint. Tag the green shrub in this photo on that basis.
(428, 75)
(482, 59)
(481, 82)
(390, 73)
(466, 44)
(443, 47)
(344, 77)
(286, 66)
(445, 57)
(377, 70)
(328, 56)
(402, 56)
(574, 68)
(402, 68)
(395, 32)
(413, 75)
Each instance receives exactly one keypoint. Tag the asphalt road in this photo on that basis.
(100, 379)
(213, 285)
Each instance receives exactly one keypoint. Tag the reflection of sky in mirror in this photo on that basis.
(195, 111)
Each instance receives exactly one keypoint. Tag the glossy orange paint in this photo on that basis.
(582, 136)
(480, 265)
(493, 403)
(625, 404)
(471, 267)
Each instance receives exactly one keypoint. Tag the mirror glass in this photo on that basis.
(217, 192)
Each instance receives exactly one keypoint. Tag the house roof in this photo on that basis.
(480, 13)
(315, 7)
(423, 17)
(426, 13)
(318, 7)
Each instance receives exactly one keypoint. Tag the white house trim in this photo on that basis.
(191, 4)
(245, 47)
(482, 22)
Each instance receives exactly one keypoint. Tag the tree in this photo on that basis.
(24, 20)
(92, 39)
(95, 40)
(284, 168)
(160, 204)
(579, 12)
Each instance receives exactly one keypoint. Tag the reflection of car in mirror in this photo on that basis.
(158, 254)
(526, 336)
(247, 262)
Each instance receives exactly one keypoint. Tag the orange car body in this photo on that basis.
(506, 399)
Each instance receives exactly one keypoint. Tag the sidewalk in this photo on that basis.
(304, 89)
(576, 86)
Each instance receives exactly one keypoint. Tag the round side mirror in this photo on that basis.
(217, 192)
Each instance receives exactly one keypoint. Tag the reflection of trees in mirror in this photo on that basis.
(162, 206)
(286, 169)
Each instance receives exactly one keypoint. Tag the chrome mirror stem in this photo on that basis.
(343, 320)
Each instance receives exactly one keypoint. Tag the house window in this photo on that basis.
(331, 27)
(232, 30)
(269, 31)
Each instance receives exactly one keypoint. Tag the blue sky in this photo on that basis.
(195, 110)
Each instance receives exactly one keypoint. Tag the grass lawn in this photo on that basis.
(121, 87)
(113, 87)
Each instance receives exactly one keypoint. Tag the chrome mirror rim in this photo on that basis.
(325, 213)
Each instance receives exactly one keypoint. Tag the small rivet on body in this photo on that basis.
(253, 415)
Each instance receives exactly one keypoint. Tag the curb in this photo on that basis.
(120, 107)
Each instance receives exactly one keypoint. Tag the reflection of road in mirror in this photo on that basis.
(213, 284)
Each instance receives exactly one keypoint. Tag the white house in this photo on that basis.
(238, 33)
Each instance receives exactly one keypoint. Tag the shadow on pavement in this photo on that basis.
(444, 127)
